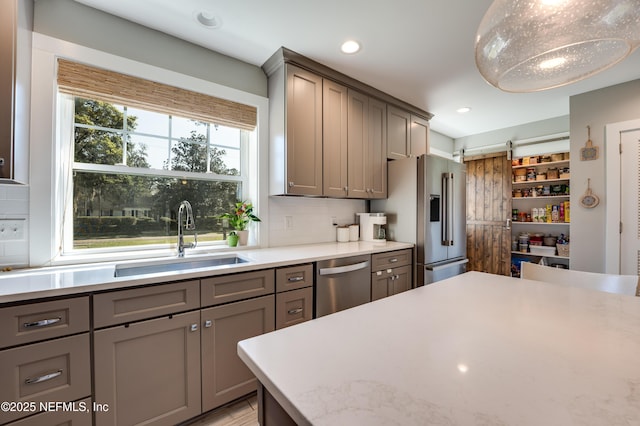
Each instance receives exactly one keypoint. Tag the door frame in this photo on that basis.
(612, 187)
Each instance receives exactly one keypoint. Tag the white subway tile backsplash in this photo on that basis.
(310, 219)
(14, 204)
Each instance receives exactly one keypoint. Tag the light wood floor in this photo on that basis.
(242, 413)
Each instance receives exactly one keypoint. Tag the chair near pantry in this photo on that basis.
(610, 283)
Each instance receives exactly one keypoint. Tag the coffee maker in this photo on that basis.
(373, 227)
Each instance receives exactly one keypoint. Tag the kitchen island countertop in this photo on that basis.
(473, 349)
(28, 284)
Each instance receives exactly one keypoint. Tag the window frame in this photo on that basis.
(49, 163)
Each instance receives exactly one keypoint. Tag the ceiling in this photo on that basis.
(420, 51)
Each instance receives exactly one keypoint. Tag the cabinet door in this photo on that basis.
(398, 133)
(334, 137)
(7, 80)
(401, 280)
(376, 150)
(294, 307)
(419, 136)
(379, 285)
(149, 372)
(225, 377)
(358, 136)
(304, 132)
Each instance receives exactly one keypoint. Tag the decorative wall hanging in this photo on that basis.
(589, 200)
(589, 152)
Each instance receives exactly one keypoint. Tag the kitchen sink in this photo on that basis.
(174, 265)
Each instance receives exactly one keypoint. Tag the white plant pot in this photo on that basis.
(243, 237)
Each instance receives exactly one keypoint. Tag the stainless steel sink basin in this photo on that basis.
(132, 269)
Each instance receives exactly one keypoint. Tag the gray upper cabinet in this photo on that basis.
(8, 19)
(399, 131)
(335, 154)
(328, 132)
(295, 127)
(367, 146)
(419, 136)
(408, 134)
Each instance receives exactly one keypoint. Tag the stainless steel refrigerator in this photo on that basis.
(427, 206)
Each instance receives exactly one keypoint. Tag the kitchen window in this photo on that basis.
(135, 150)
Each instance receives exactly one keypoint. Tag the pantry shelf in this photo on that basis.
(550, 182)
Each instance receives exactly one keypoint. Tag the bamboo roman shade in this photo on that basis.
(108, 86)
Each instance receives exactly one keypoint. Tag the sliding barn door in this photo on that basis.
(488, 208)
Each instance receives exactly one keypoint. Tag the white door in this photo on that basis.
(630, 202)
(622, 242)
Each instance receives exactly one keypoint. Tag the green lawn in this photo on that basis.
(124, 242)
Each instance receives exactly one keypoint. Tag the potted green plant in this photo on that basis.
(232, 239)
(239, 218)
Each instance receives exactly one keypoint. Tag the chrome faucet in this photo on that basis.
(189, 225)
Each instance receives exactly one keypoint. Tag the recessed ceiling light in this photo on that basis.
(463, 110)
(350, 46)
(207, 19)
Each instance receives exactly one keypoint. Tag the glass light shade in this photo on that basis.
(532, 45)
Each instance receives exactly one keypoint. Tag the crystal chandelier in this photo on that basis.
(532, 45)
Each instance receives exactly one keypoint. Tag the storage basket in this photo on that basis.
(542, 250)
(563, 249)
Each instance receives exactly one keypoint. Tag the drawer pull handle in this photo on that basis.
(42, 323)
(208, 323)
(194, 327)
(43, 378)
(294, 311)
(294, 279)
(394, 260)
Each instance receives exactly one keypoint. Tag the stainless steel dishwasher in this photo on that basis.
(342, 283)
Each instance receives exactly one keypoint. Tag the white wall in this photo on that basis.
(595, 109)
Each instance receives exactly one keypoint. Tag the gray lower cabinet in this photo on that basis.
(149, 372)
(392, 273)
(294, 295)
(77, 413)
(225, 377)
(389, 282)
(44, 356)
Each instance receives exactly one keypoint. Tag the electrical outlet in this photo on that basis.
(334, 221)
(11, 230)
(288, 223)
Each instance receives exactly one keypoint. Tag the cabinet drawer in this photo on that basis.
(56, 370)
(44, 320)
(229, 288)
(294, 277)
(119, 307)
(76, 413)
(293, 307)
(391, 259)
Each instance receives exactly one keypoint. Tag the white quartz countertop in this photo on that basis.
(476, 349)
(22, 285)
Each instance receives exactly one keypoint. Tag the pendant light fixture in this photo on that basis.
(532, 45)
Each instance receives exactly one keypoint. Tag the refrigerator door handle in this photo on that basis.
(446, 225)
(450, 200)
(444, 217)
